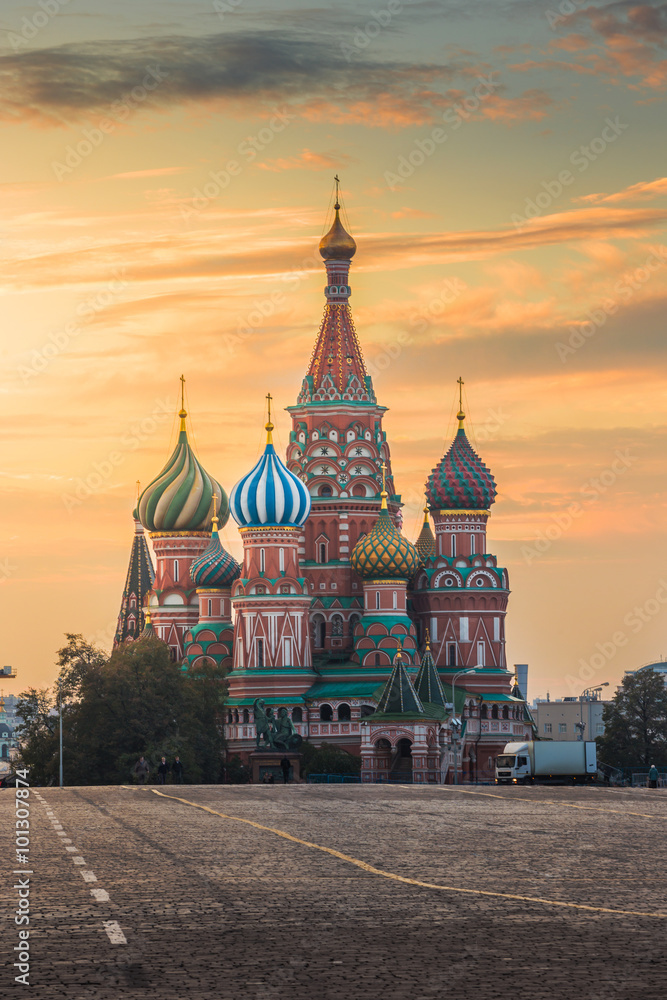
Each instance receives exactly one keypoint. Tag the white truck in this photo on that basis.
(547, 761)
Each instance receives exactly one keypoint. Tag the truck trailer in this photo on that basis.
(548, 762)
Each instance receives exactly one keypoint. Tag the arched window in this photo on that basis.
(337, 625)
(236, 716)
(326, 713)
(354, 621)
(344, 713)
(506, 714)
(483, 712)
(494, 712)
(472, 543)
(358, 490)
(210, 608)
(453, 552)
(230, 718)
(326, 491)
(260, 653)
(383, 744)
(246, 716)
(377, 600)
(297, 715)
(323, 552)
(377, 659)
(262, 560)
(319, 631)
(175, 570)
(451, 655)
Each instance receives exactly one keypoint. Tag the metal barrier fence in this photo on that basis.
(333, 779)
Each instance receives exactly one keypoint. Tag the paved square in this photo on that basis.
(332, 892)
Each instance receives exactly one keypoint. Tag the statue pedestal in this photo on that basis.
(268, 762)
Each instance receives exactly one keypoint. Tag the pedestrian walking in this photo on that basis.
(285, 765)
(162, 769)
(177, 770)
(141, 770)
(653, 776)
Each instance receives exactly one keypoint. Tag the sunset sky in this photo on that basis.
(166, 174)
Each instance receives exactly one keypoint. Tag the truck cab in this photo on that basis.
(513, 765)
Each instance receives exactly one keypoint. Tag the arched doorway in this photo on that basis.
(402, 769)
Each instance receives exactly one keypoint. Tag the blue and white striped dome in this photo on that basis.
(270, 494)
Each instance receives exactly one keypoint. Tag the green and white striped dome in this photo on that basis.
(180, 498)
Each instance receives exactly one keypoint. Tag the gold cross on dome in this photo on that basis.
(182, 392)
(269, 397)
(384, 469)
(461, 384)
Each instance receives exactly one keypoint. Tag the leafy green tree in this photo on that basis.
(38, 735)
(136, 702)
(636, 722)
(328, 759)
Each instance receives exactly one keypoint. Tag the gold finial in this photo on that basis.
(269, 425)
(460, 416)
(428, 640)
(214, 519)
(337, 180)
(384, 493)
(399, 650)
(148, 614)
(425, 515)
(183, 412)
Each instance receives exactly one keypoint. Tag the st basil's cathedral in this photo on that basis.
(390, 650)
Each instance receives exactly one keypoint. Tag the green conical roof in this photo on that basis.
(399, 696)
(428, 684)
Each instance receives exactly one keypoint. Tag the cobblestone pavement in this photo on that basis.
(137, 895)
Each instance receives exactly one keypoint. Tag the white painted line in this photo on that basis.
(57, 826)
(78, 861)
(66, 840)
(61, 833)
(71, 848)
(88, 876)
(116, 936)
(101, 895)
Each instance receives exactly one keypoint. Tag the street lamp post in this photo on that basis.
(60, 698)
(456, 724)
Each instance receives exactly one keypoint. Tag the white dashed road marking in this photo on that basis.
(112, 927)
(116, 936)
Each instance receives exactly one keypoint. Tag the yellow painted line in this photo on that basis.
(401, 878)
(552, 802)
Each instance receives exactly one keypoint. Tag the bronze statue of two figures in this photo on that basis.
(278, 732)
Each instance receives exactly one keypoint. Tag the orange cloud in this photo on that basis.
(641, 191)
(307, 160)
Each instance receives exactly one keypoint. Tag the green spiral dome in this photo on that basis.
(181, 497)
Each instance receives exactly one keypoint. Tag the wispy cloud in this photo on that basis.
(307, 159)
(641, 191)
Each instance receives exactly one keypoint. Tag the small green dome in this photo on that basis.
(384, 553)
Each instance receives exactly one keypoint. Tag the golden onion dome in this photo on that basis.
(384, 553)
(337, 244)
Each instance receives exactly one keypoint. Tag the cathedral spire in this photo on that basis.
(138, 582)
(337, 370)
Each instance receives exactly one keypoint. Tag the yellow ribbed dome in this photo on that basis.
(337, 244)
